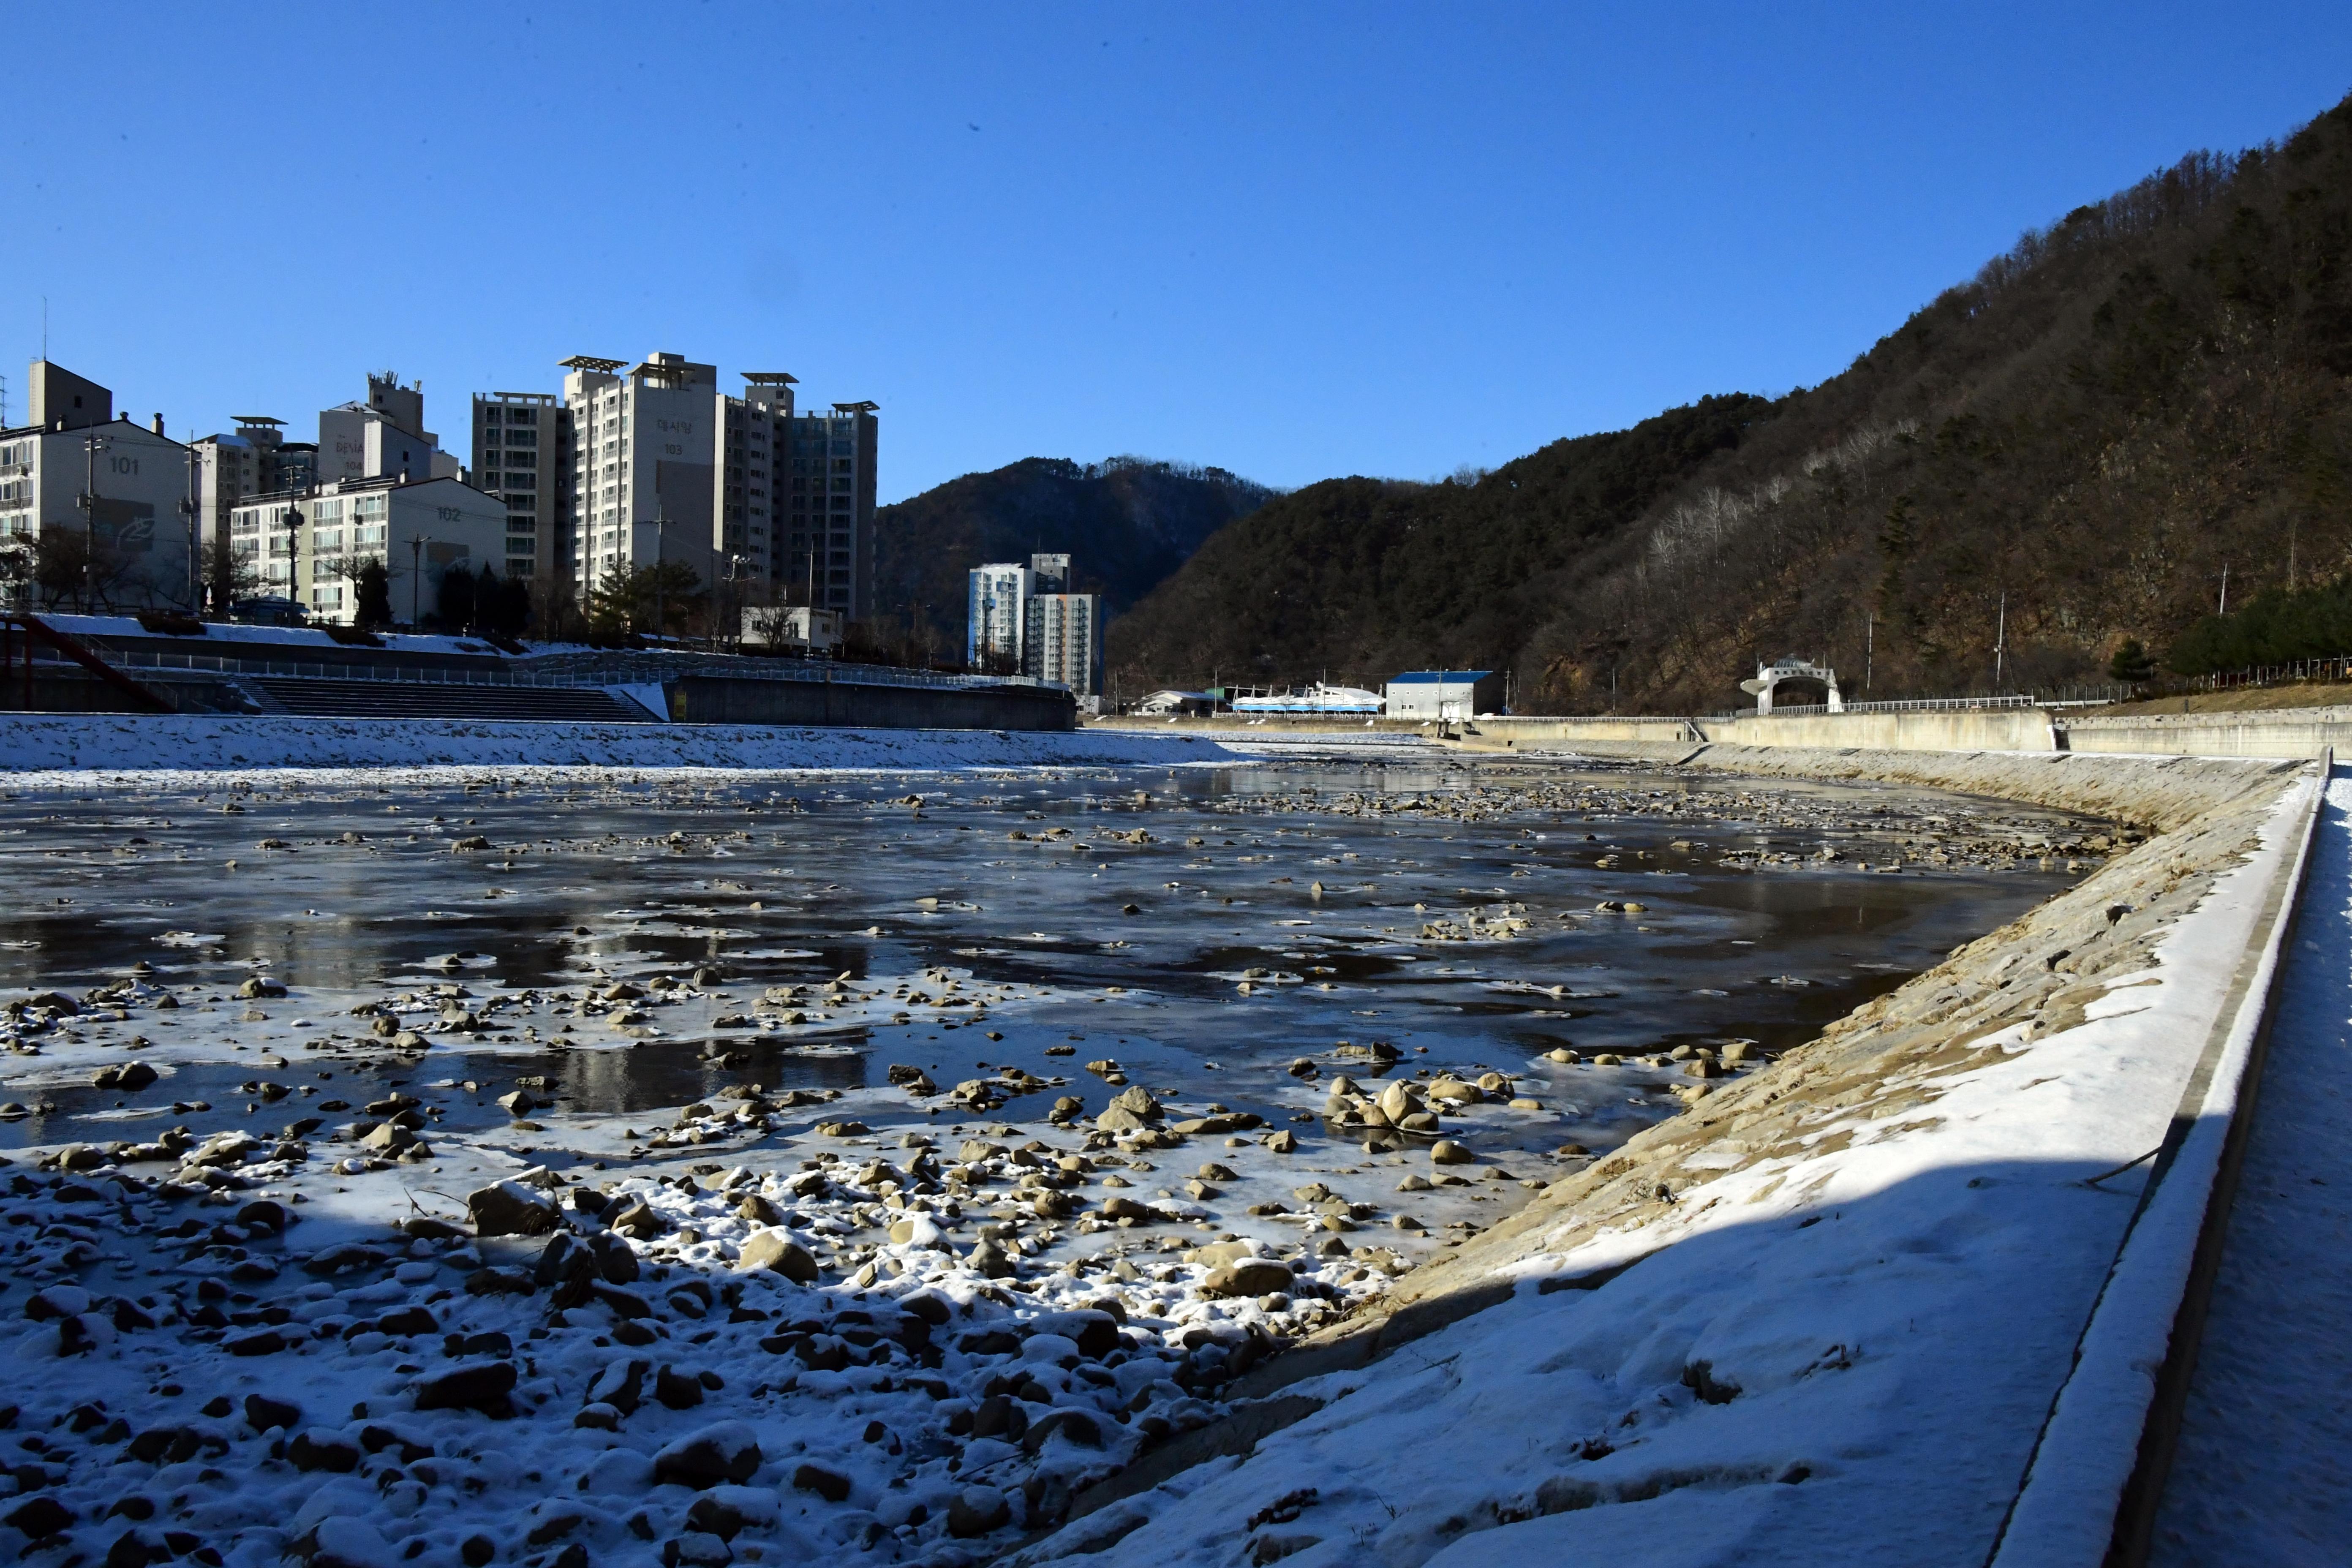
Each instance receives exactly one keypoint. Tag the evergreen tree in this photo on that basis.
(456, 605)
(2131, 664)
(373, 608)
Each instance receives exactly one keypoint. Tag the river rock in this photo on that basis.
(1131, 1111)
(727, 1451)
(509, 1208)
(1446, 1152)
(976, 1510)
(1247, 1277)
(989, 1261)
(476, 1385)
(775, 1251)
(620, 1387)
(830, 1485)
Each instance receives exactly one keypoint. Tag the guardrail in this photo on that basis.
(1909, 705)
(635, 673)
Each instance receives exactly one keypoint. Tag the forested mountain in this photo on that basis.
(2088, 431)
(1127, 524)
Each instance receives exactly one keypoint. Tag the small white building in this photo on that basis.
(793, 626)
(1171, 702)
(1430, 695)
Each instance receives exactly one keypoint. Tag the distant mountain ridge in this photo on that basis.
(2066, 451)
(1127, 524)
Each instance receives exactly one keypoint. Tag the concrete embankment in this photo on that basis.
(2271, 732)
(1899, 1296)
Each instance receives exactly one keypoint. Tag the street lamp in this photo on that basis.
(293, 516)
(734, 603)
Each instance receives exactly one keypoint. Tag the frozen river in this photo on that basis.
(1203, 928)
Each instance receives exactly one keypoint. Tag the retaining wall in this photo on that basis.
(2261, 733)
(719, 700)
(2268, 733)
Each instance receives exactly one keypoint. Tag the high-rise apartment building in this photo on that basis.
(828, 533)
(1063, 642)
(521, 455)
(998, 614)
(644, 464)
(254, 460)
(383, 437)
(1026, 616)
(746, 491)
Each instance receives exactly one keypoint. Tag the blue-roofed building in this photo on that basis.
(1435, 694)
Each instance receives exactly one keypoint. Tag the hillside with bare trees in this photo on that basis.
(2075, 445)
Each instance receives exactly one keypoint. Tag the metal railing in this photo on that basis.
(2300, 669)
(1907, 705)
(634, 672)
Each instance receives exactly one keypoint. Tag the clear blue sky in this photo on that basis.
(1293, 241)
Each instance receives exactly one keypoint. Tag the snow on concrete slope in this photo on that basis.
(1853, 1292)
(38, 748)
(2259, 1475)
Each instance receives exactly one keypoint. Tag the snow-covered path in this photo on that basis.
(2259, 1475)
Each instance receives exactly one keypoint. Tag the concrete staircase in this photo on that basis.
(423, 699)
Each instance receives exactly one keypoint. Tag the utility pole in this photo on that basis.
(91, 446)
(294, 559)
(2225, 587)
(1869, 646)
(661, 532)
(415, 573)
(2000, 644)
(195, 562)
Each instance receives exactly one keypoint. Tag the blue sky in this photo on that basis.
(1292, 240)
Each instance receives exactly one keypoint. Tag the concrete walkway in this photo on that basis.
(2260, 1476)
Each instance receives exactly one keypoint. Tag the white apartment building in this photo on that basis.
(998, 612)
(521, 456)
(1063, 642)
(665, 467)
(307, 545)
(126, 488)
(644, 464)
(1027, 614)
